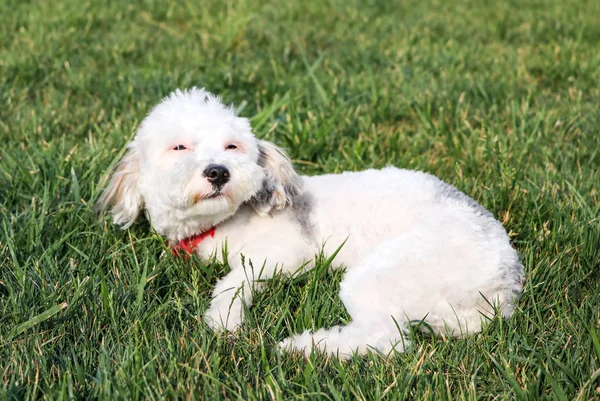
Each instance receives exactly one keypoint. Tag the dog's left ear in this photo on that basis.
(122, 195)
(281, 184)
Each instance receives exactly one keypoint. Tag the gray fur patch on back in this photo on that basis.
(302, 205)
(445, 190)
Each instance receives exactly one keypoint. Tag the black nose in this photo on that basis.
(216, 174)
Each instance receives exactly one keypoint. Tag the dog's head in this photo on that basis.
(192, 164)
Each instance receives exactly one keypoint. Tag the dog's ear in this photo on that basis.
(122, 195)
(281, 184)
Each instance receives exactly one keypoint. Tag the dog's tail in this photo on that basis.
(345, 341)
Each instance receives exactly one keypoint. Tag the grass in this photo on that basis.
(499, 98)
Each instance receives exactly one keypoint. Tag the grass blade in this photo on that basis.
(47, 314)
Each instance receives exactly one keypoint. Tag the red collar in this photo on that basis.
(190, 243)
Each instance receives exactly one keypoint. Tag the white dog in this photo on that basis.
(415, 248)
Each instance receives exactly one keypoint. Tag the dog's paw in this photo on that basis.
(220, 318)
(302, 343)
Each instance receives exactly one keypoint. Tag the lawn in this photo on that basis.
(499, 98)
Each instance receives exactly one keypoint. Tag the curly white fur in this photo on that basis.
(415, 247)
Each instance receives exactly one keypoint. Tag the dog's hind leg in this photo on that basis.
(375, 294)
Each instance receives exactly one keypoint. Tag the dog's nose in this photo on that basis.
(217, 174)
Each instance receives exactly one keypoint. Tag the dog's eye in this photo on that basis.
(230, 147)
(179, 147)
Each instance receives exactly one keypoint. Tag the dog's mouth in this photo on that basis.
(216, 193)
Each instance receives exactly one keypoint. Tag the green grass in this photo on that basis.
(500, 98)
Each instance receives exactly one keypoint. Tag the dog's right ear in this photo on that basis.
(122, 195)
(281, 184)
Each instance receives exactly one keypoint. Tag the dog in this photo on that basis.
(415, 248)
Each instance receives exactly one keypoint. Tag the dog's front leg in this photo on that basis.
(231, 293)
